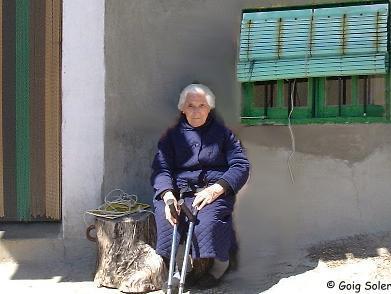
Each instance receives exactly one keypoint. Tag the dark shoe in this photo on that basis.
(200, 268)
(192, 278)
(208, 281)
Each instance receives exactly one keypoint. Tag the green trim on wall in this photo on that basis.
(277, 112)
(248, 94)
(310, 98)
(321, 94)
(388, 96)
(280, 93)
(316, 106)
(334, 120)
(22, 47)
(354, 110)
(354, 90)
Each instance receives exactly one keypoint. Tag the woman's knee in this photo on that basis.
(214, 213)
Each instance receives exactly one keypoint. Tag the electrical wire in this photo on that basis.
(117, 203)
(293, 142)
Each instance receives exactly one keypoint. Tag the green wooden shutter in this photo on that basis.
(30, 110)
(22, 105)
(339, 41)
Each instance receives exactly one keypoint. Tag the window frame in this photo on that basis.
(316, 110)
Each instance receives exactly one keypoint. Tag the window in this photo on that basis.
(329, 63)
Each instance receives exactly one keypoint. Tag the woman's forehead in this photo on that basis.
(196, 98)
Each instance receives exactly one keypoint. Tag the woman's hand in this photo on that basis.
(207, 196)
(167, 196)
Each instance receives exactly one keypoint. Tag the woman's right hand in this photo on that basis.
(167, 196)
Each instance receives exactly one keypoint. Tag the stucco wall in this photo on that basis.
(83, 102)
(342, 172)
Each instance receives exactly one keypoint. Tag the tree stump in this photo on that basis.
(126, 256)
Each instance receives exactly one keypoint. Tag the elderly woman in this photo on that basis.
(201, 153)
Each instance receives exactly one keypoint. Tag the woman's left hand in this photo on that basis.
(207, 196)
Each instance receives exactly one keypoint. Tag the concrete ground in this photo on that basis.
(352, 276)
(357, 264)
(67, 278)
(47, 278)
(62, 278)
(35, 258)
(77, 278)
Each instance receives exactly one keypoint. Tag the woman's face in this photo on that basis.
(196, 109)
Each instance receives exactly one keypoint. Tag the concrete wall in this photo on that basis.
(83, 103)
(342, 172)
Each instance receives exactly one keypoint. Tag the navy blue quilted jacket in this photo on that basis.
(199, 156)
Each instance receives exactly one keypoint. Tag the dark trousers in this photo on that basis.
(213, 235)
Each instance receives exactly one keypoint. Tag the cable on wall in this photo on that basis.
(292, 135)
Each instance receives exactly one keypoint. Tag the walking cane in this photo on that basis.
(174, 213)
(192, 218)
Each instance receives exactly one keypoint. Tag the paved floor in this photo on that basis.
(67, 278)
(360, 264)
(77, 277)
(46, 278)
(350, 276)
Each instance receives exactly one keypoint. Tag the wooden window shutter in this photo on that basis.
(338, 41)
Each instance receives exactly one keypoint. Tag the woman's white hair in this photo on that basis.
(197, 89)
